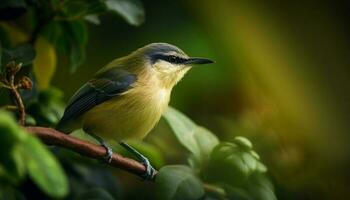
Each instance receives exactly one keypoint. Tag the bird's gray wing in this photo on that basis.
(103, 87)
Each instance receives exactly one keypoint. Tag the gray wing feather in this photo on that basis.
(102, 88)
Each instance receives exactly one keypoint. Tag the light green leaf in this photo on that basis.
(44, 169)
(131, 10)
(178, 182)
(232, 163)
(198, 140)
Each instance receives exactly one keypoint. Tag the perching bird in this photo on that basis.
(126, 98)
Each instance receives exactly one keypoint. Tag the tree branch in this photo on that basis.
(54, 137)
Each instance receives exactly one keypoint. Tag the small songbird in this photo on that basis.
(126, 98)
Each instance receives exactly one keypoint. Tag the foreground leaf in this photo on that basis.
(12, 167)
(44, 169)
(178, 182)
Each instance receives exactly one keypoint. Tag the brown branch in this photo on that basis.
(20, 105)
(54, 137)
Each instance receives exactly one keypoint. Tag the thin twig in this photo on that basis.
(54, 137)
(9, 107)
(20, 106)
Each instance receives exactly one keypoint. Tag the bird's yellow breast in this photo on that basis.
(129, 116)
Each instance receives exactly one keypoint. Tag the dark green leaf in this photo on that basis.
(131, 10)
(178, 182)
(75, 10)
(77, 33)
(21, 54)
(198, 140)
(70, 38)
(44, 169)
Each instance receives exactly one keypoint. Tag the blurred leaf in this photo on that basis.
(74, 10)
(48, 108)
(44, 64)
(44, 169)
(92, 19)
(12, 167)
(196, 139)
(21, 54)
(243, 142)
(77, 33)
(232, 163)
(70, 38)
(260, 188)
(131, 10)
(11, 9)
(95, 194)
(178, 182)
(12, 35)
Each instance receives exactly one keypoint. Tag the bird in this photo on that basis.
(126, 98)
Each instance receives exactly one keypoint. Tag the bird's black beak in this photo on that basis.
(199, 61)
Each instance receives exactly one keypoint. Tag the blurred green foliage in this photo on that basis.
(280, 79)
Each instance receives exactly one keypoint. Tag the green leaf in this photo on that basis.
(70, 38)
(12, 167)
(92, 19)
(131, 10)
(21, 54)
(232, 163)
(243, 142)
(178, 182)
(44, 169)
(260, 188)
(77, 33)
(198, 140)
(75, 10)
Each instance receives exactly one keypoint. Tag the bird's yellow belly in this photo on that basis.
(124, 118)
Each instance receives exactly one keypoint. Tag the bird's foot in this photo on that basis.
(149, 174)
(150, 171)
(109, 153)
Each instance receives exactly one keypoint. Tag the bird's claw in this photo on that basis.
(149, 174)
(109, 153)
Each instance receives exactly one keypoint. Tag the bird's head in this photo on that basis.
(169, 63)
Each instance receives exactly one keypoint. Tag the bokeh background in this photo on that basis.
(281, 79)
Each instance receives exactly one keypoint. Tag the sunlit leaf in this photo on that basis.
(131, 10)
(198, 140)
(44, 64)
(178, 182)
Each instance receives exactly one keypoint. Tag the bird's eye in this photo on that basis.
(172, 59)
